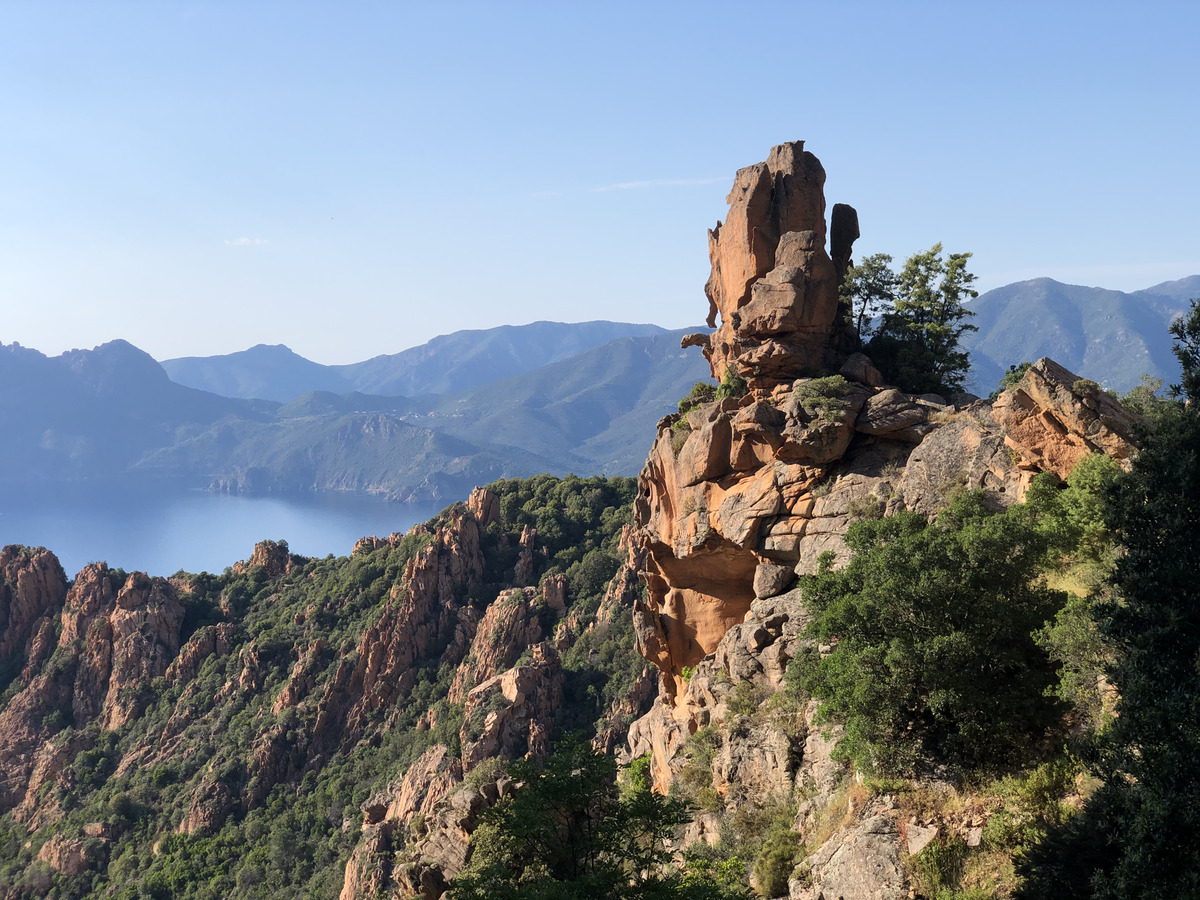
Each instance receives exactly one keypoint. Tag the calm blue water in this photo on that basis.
(161, 532)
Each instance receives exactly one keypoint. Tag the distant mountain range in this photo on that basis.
(445, 365)
(1109, 336)
(113, 413)
(469, 407)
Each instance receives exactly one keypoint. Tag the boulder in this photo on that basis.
(1053, 418)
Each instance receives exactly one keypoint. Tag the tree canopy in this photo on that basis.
(921, 317)
(933, 627)
(567, 831)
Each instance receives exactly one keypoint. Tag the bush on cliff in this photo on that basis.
(933, 626)
(567, 831)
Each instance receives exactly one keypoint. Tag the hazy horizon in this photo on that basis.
(198, 178)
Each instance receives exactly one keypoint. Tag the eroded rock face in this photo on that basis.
(1052, 419)
(32, 587)
(773, 284)
(740, 496)
(416, 832)
(113, 638)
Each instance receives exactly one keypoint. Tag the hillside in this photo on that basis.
(214, 736)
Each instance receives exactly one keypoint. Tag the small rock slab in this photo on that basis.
(771, 580)
(919, 837)
(889, 412)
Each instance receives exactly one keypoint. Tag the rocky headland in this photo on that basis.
(369, 701)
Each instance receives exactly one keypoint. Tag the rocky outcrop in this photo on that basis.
(773, 284)
(32, 588)
(423, 613)
(737, 492)
(126, 636)
(862, 861)
(274, 558)
(741, 495)
(512, 713)
(1053, 418)
(113, 638)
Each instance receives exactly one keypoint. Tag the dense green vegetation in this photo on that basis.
(934, 624)
(290, 836)
(1139, 835)
(568, 831)
(938, 661)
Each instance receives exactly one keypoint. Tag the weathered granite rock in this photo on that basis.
(893, 413)
(770, 580)
(1053, 418)
(861, 862)
(773, 285)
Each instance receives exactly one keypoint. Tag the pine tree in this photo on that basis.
(917, 346)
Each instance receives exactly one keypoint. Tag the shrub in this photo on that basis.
(702, 392)
(732, 385)
(933, 626)
(823, 396)
(1011, 378)
(774, 863)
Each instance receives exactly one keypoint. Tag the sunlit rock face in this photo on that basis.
(741, 494)
(773, 285)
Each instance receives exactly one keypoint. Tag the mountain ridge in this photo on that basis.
(444, 364)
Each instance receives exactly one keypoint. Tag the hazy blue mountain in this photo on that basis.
(466, 359)
(94, 413)
(1181, 291)
(265, 371)
(1111, 337)
(447, 364)
(112, 413)
(594, 412)
(600, 405)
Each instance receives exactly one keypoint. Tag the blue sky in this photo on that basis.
(354, 178)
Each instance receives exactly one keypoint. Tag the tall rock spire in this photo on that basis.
(773, 285)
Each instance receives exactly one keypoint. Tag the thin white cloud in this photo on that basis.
(246, 242)
(655, 183)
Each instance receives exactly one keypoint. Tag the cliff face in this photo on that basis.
(90, 657)
(144, 717)
(740, 495)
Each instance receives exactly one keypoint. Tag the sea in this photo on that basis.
(164, 531)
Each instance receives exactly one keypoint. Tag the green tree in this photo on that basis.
(566, 831)
(1145, 398)
(1186, 331)
(1011, 378)
(868, 291)
(1139, 834)
(1150, 757)
(933, 625)
(917, 344)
